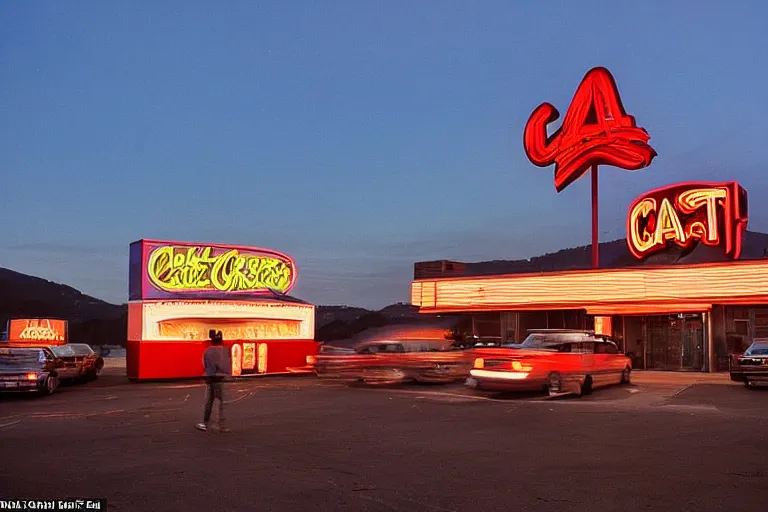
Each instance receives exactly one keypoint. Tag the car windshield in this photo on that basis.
(552, 340)
(62, 351)
(20, 356)
(81, 349)
(757, 349)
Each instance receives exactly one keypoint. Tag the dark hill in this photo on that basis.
(91, 320)
(97, 322)
(24, 295)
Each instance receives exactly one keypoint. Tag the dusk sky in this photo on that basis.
(357, 136)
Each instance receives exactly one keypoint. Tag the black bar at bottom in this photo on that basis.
(53, 504)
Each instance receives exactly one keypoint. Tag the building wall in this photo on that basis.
(634, 337)
(742, 324)
(719, 338)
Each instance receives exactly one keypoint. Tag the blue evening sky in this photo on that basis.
(358, 136)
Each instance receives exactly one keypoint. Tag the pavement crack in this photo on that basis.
(552, 500)
(749, 474)
(342, 471)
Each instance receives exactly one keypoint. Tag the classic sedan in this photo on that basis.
(70, 366)
(557, 361)
(90, 362)
(395, 361)
(751, 367)
(28, 370)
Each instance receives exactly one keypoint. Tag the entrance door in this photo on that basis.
(692, 356)
(261, 362)
(236, 353)
(675, 342)
(662, 343)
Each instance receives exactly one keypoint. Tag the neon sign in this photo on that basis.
(596, 131)
(161, 270)
(37, 330)
(714, 214)
(200, 268)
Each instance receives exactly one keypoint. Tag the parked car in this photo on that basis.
(395, 361)
(28, 370)
(70, 366)
(751, 367)
(91, 363)
(557, 361)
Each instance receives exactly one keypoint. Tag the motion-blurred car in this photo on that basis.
(751, 367)
(395, 361)
(28, 370)
(90, 362)
(557, 361)
(70, 367)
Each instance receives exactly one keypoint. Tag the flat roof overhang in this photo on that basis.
(638, 290)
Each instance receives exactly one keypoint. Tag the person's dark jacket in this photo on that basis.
(216, 362)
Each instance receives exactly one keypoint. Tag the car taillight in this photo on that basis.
(520, 367)
(311, 360)
(31, 376)
(479, 363)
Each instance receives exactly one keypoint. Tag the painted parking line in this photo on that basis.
(690, 408)
(64, 414)
(172, 404)
(243, 397)
(10, 423)
(631, 399)
(447, 394)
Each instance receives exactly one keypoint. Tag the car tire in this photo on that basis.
(51, 385)
(554, 383)
(395, 376)
(626, 376)
(586, 388)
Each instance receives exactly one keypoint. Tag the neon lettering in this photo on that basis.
(668, 226)
(692, 200)
(641, 238)
(596, 130)
(40, 334)
(37, 329)
(714, 214)
(185, 269)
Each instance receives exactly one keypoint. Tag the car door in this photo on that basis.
(586, 350)
(603, 372)
(615, 362)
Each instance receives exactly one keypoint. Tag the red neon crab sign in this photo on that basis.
(596, 131)
(713, 214)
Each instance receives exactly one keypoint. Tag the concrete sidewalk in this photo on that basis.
(680, 378)
(114, 362)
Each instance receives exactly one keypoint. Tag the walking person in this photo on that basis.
(217, 367)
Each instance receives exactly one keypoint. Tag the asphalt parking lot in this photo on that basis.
(298, 444)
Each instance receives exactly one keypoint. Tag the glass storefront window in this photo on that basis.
(487, 327)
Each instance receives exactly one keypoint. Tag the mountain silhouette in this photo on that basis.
(98, 322)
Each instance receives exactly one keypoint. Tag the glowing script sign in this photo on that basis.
(714, 214)
(168, 269)
(596, 131)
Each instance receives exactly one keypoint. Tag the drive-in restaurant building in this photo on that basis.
(691, 288)
(179, 292)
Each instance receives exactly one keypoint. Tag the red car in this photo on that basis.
(558, 361)
(395, 361)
